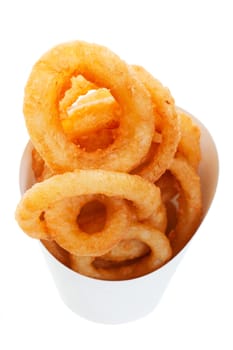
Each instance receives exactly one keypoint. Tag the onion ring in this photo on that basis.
(157, 219)
(160, 253)
(61, 222)
(48, 82)
(189, 145)
(30, 211)
(166, 122)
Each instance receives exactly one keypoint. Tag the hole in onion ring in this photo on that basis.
(42, 216)
(171, 210)
(92, 217)
(89, 115)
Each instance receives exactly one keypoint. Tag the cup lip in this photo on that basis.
(149, 275)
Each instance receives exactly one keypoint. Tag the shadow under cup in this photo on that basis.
(113, 302)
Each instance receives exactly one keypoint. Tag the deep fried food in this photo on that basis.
(166, 123)
(160, 252)
(115, 162)
(31, 210)
(189, 145)
(62, 223)
(49, 80)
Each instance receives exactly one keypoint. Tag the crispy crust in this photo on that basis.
(49, 80)
(160, 253)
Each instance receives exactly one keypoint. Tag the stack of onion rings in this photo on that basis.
(115, 161)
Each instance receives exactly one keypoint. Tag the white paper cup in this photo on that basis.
(113, 302)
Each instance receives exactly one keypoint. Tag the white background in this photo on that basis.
(188, 46)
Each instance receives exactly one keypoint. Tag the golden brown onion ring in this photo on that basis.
(189, 145)
(160, 252)
(49, 80)
(62, 223)
(166, 122)
(30, 211)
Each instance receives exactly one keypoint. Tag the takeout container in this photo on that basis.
(113, 302)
